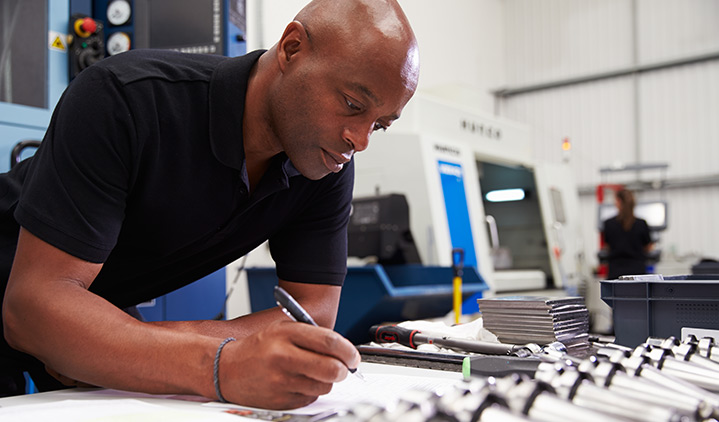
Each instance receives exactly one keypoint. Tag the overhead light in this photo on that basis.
(505, 195)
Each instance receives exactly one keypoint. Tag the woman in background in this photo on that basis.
(627, 239)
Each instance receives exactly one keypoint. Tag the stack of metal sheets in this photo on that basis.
(538, 319)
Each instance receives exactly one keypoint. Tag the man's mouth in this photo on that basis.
(333, 162)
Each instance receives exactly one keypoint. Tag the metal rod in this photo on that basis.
(509, 92)
(670, 183)
(468, 345)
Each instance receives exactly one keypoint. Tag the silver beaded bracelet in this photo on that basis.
(216, 371)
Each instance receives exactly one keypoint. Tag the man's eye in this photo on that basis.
(379, 126)
(352, 105)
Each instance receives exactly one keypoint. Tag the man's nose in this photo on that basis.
(359, 137)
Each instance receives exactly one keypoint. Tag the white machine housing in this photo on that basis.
(436, 144)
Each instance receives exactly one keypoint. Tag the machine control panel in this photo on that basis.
(108, 27)
(87, 44)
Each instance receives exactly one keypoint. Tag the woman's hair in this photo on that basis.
(626, 210)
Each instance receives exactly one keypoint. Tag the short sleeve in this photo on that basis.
(312, 248)
(606, 232)
(74, 196)
(645, 233)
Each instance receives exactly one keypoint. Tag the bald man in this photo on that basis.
(159, 168)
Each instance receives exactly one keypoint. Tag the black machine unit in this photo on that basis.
(379, 227)
(190, 26)
(193, 26)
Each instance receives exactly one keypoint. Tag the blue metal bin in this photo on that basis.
(375, 294)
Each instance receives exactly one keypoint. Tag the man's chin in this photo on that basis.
(316, 170)
(314, 173)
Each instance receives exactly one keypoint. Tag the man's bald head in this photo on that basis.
(351, 19)
(362, 27)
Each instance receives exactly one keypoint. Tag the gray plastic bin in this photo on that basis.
(660, 308)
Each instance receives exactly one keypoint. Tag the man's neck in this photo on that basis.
(259, 141)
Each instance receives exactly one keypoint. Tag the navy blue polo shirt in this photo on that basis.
(143, 169)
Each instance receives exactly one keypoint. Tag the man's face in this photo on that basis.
(330, 104)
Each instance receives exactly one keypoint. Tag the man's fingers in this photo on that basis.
(307, 386)
(313, 365)
(326, 342)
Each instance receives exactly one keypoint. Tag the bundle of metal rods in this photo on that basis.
(659, 380)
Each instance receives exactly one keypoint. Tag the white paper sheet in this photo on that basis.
(384, 385)
(106, 411)
(381, 389)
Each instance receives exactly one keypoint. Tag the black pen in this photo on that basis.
(296, 312)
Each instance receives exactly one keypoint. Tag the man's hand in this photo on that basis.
(285, 366)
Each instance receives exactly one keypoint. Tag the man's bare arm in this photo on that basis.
(49, 313)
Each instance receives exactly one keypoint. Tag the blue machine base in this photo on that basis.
(376, 294)
(202, 299)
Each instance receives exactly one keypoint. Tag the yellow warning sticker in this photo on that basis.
(57, 41)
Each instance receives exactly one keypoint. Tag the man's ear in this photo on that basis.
(293, 41)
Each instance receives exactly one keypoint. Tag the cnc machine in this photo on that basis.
(446, 159)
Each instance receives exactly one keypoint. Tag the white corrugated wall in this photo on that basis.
(669, 115)
(554, 39)
(669, 29)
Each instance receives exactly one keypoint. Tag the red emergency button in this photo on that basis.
(85, 27)
(89, 25)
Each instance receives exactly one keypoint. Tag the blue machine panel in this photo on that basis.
(455, 202)
(460, 230)
(203, 299)
(20, 121)
(14, 134)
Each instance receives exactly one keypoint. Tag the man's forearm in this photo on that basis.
(321, 301)
(238, 327)
(98, 344)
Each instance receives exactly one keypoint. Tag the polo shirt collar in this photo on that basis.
(289, 168)
(228, 89)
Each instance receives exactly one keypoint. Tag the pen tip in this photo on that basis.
(357, 373)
